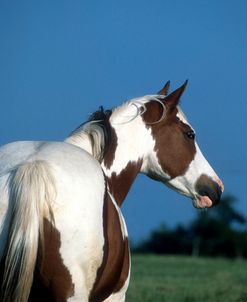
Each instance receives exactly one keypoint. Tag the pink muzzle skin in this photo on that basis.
(204, 202)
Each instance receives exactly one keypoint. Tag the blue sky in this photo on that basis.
(61, 60)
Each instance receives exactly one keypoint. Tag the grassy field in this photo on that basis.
(187, 279)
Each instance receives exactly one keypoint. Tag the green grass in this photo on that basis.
(187, 279)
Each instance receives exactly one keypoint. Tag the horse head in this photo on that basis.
(151, 135)
(176, 159)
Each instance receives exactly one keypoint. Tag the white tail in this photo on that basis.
(31, 190)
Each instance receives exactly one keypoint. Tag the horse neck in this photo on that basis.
(126, 156)
(120, 174)
(120, 182)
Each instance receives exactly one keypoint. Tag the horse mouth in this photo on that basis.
(208, 192)
(202, 202)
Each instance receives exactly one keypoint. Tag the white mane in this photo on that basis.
(89, 137)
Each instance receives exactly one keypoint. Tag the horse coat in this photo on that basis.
(63, 237)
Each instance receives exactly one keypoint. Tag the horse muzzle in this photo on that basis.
(208, 191)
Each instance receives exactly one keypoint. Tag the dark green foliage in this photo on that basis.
(220, 231)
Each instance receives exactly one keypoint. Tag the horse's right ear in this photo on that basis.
(165, 89)
(172, 100)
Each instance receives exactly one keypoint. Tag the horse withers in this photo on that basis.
(63, 236)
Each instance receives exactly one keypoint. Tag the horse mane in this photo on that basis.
(94, 135)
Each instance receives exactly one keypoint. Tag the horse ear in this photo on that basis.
(173, 98)
(165, 89)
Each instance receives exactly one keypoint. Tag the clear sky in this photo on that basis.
(61, 60)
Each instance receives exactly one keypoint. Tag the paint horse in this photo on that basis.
(63, 237)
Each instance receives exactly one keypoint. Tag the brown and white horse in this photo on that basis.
(63, 237)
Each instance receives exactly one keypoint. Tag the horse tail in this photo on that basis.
(31, 190)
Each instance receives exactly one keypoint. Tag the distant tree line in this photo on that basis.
(219, 231)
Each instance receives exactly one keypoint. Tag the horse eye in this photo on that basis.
(191, 134)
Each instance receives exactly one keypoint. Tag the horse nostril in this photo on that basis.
(214, 193)
(205, 186)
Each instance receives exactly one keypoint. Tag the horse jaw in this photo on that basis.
(187, 184)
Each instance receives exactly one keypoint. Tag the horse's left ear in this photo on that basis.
(173, 98)
(165, 89)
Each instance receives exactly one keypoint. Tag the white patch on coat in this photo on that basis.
(121, 294)
(185, 184)
(77, 209)
(79, 216)
(134, 140)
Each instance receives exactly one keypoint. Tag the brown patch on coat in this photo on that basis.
(52, 279)
(119, 184)
(174, 149)
(125, 268)
(114, 270)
